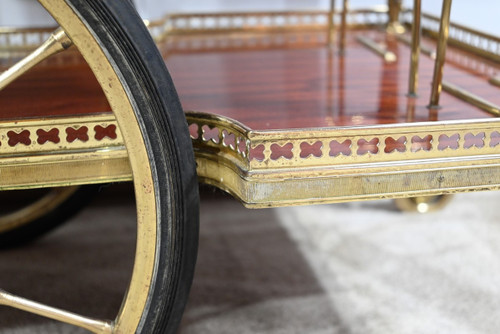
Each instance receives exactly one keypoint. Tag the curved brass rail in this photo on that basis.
(306, 166)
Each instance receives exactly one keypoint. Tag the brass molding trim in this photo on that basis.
(58, 170)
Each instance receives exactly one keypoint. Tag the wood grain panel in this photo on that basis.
(59, 86)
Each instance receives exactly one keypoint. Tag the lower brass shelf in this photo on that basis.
(268, 168)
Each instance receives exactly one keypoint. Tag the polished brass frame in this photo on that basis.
(92, 325)
(378, 49)
(416, 32)
(240, 160)
(55, 43)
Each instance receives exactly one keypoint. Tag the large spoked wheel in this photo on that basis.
(119, 50)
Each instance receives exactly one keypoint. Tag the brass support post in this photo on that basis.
(416, 32)
(393, 26)
(331, 23)
(343, 25)
(440, 54)
(423, 49)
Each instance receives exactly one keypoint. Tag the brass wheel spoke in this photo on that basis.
(93, 325)
(32, 211)
(57, 42)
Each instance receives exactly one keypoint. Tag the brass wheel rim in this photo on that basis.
(129, 316)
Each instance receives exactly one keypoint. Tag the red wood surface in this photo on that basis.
(61, 86)
(271, 88)
(316, 87)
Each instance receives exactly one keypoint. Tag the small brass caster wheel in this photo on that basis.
(423, 204)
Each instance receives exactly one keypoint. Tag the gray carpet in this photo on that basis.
(342, 269)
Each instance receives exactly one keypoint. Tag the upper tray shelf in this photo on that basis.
(278, 71)
(311, 85)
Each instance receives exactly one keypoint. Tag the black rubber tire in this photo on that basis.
(131, 51)
(49, 220)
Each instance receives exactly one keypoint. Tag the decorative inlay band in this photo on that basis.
(59, 135)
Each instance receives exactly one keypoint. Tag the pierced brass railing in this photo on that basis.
(469, 39)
